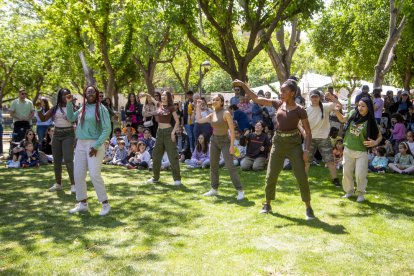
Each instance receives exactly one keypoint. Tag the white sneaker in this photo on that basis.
(240, 195)
(151, 181)
(348, 195)
(360, 198)
(55, 187)
(72, 189)
(80, 207)
(177, 182)
(105, 209)
(212, 192)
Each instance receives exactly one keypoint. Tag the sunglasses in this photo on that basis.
(23, 94)
(30, 134)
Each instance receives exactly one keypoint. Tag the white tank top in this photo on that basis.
(60, 118)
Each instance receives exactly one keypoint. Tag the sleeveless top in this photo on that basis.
(220, 126)
(60, 118)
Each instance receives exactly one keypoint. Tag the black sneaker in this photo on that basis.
(309, 214)
(336, 182)
(266, 209)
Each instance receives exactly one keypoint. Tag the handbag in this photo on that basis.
(149, 123)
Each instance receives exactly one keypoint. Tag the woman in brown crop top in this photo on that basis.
(165, 140)
(222, 122)
(286, 142)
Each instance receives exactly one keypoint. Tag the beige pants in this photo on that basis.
(355, 161)
(84, 162)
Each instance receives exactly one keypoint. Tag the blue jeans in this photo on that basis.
(189, 129)
(41, 132)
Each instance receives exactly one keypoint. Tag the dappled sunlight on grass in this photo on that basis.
(165, 229)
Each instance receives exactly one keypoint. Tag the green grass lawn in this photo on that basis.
(164, 230)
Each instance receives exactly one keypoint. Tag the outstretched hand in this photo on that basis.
(69, 97)
(237, 82)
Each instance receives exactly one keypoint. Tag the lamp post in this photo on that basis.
(206, 65)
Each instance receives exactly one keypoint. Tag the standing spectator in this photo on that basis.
(221, 143)
(189, 118)
(63, 140)
(236, 98)
(318, 116)
(165, 140)
(240, 117)
(203, 128)
(287, 142)
(93, 128)
(257, 148)
(22, 112)
(389, 103)
(41, 127)
(378, 104)
(361, 133)
(149, 111)
(108, 104)
(270, 109)
(133, 110)
(364, 94)
(402, 104)
(180, 113)
(123, 117)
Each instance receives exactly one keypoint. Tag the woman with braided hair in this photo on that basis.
(93, 128)
(318, 117)
(63, 139)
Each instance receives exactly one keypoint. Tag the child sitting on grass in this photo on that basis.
(380, 161)
(201, 154)
(121, 154)
(403, 161)
(338, 153)
(29, 157)
(142, 158)
(109, 153)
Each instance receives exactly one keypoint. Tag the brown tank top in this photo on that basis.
(220, 126)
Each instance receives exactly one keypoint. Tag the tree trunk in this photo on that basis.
(87, 71)
(408, 74)
(387, 54)
(148, 73)
(282, 60)
(7, 73)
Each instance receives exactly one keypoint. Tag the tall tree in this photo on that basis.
(236, 31)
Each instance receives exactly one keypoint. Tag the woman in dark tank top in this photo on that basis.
(222, 123)
(287, 142)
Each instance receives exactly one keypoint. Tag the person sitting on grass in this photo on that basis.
(257, 148)
(239, 150)
(132, 151)
(403, 161)
(121, 154)
(380, 161)
(109, 153)
(116, 137)
(14, 162)
(29, 157)
(148, 140)
(201, 154)
(165, 162)
(338, 153)
(141, 159)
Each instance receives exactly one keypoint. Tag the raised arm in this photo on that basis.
(149, 97)
(200, 120)
(72, 115)
(46, 116)
(339, 115)
(252, 95)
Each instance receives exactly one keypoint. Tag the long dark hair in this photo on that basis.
(46, 102)
(292, 85)
(319, 93)
(110, 102)
(97, 104)
(60, 102)
(170, 101)
(34, 136)
(129, 101)
(202, 147)
(357, 118)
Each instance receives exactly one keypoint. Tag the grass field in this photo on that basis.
(164, 230)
